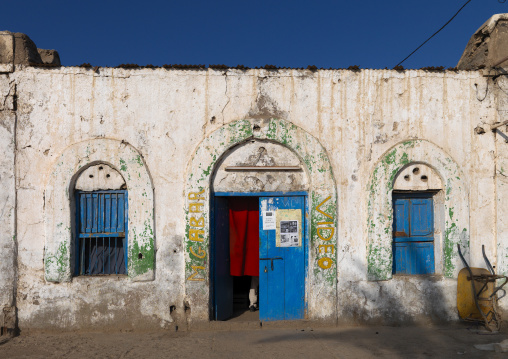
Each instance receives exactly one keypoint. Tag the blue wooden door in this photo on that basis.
(281, 269)
(223, 294)
(413, 234)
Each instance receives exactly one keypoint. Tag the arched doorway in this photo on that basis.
(321, 276)
(260, 233)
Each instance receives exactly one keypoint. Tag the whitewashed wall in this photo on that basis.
(357, 116)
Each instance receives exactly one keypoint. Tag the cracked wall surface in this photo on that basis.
(357, 117)
(8, 248)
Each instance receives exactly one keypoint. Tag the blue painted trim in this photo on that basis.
(306, 253)
(259, 194)
(95, 235)
(75, 231)
(126, 238)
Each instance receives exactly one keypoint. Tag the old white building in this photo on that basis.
(130, 172)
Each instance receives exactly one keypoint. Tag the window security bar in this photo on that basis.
(102, 255)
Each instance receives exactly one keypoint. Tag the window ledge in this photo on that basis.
(431, 277)
(100, 277)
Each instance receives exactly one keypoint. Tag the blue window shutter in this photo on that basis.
(413, 257)
(413, 234)
(121, 218)
(107, 214)
(401, 258)
(101, 226)
(421, 217)
(400, 219)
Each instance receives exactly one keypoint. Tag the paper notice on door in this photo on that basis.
(269, 222)
(289, 234)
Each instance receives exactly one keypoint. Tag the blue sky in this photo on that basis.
(368, 33)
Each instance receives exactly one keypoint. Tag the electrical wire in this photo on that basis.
(434, 34)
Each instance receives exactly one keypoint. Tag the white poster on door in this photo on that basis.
(269, 222)
(289, 234)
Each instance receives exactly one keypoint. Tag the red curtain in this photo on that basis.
(244, 236)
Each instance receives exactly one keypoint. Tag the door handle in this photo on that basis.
(271, 260)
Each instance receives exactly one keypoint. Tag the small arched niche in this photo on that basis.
(418, 177)
(100, 177)
(260, 166)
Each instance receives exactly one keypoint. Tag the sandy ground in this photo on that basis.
(338, 342)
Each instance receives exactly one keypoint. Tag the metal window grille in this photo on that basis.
(102, 227)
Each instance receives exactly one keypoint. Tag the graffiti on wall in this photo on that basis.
(325, 232)
(196, 234)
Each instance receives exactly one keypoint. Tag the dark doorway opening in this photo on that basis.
(280, 272)
(241, 302)
(236, 258)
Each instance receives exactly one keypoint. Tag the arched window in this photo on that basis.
(414, 198)
(101, 222)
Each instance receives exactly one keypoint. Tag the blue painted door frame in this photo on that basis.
(219, 292)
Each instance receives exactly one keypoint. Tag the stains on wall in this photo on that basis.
(8, 239)
(336, 122)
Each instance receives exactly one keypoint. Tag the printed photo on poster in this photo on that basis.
(289, 234)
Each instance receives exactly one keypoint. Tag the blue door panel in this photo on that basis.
(282, 287)
(223, 294)
(294, 274)
(271, 281)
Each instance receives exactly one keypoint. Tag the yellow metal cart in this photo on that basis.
(477, 293)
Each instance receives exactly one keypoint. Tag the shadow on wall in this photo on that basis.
(404, 299)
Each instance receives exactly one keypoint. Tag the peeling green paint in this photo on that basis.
(139, 161)
(58, 262)
(123, 165)
(380, 211)
(137, 265)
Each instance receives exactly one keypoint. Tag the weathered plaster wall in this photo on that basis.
(498, 88)
(167, 116)
(8, 263)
